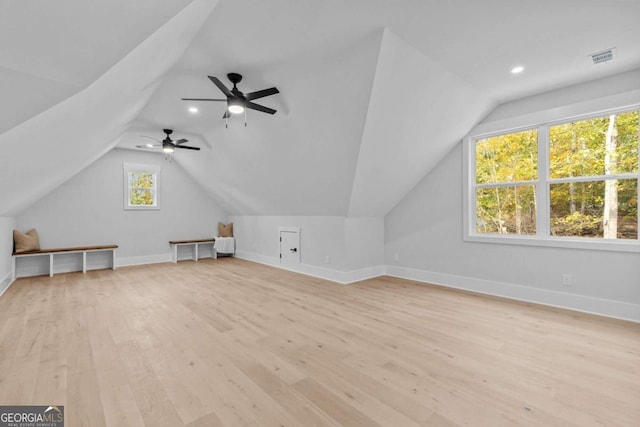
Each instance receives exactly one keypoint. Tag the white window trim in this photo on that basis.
(155, 170)
(541, 122)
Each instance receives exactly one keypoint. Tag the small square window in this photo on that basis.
(141, 186)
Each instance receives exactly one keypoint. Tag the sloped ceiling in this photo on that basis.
(408, 131)
(53, 49)
(373, 92)
(300, 161)
(49, 148)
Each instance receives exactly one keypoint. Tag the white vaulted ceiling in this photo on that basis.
(53, 49)
(373, 92)
(47, 149)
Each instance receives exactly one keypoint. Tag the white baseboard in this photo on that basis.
(582, 303)
(6, 282)
(342, 277)
(363, 274)
(309, 270)
(144, 259)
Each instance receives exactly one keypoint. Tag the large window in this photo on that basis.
(570, 181)
(141, 184)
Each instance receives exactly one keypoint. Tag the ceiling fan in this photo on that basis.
(238, 102)
(167, 144)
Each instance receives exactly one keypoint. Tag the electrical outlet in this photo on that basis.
(396, 256)
(567, 280)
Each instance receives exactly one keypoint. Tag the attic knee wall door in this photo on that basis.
(289, 245)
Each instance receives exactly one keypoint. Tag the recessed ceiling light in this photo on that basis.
(517, 69)
(193, 110)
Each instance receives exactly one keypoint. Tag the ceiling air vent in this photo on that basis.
(604, 56)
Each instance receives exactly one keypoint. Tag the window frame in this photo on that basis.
(139, 167)
(542, 184)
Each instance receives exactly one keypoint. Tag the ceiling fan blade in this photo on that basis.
(147, 147)
(181, 141)
(187, 147)
(226, 114)
(202, 99)
(220, 85)
(259, 107)
(262, 93)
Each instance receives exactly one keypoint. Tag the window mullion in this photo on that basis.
(543, 214)
(472, 222)
(638, 180)
(506, 184)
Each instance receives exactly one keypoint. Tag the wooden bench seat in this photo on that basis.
(78, 249)
(75, 249)
(195, 243)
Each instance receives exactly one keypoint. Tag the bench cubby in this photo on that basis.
(64, 260)
(195, 248)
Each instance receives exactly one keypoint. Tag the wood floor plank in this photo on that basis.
(228, 342)
(301, 409)
(209, 420)
(152, 401)
(120, 408)
(84, 400)
(333, 405)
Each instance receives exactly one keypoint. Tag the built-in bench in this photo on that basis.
(195, 243)
(83, 250)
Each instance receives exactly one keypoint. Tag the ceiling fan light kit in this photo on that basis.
(235, 106)
(167, 147)
(237, 101)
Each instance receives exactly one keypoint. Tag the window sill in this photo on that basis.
(142, 208)
(557, 242)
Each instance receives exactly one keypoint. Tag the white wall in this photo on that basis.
(425, 232)
(333, 247)
(320, 236)
(88, 210)
(7, 224)
(363, 238)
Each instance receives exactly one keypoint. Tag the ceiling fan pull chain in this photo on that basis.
(245, 117)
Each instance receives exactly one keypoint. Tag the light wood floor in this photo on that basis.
(232, 343)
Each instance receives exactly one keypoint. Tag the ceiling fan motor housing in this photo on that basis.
(234, 78)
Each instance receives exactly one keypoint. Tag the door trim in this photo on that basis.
(289, 230)
(294, 230)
